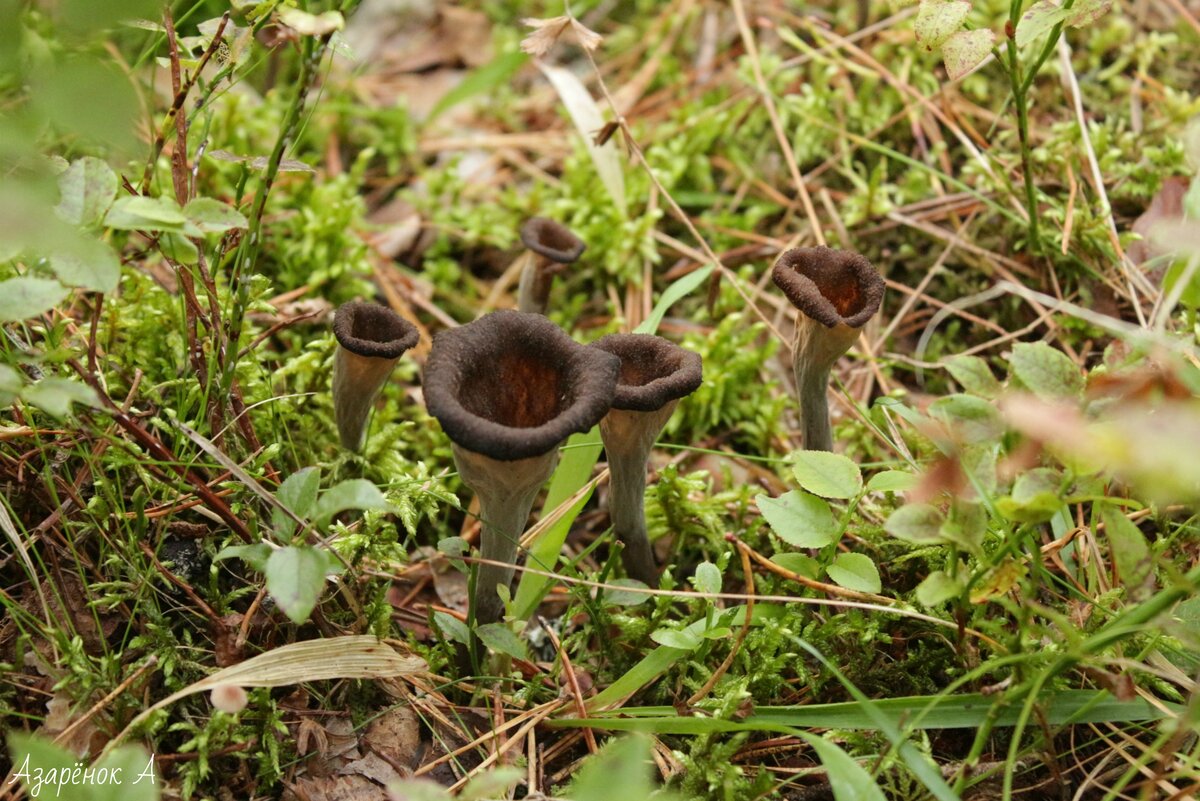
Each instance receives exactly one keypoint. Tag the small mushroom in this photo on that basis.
(655, 374)
(508, 389)
(371, 339)
(552, 246)
(836, 292)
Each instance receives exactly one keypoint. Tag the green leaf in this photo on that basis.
(139, 213)
(295, 578)
(799, 519)
(707, 578)
(1085, 12)
(212, 216)
(1129, 550)
(622, 768)
(829, 475)
(139, 776)
(975, 419)
(892, 481)
(11, 383)
(848, 780)
(255, 555)
(965, 526)
(500, 638)
(1035, 496)
(855, 571)
(966, 50)
(25, 297)
(937, 588)
(34, 756)
(618, 597)
(684, 640)
(974, 375)
(918, 523)
(798, 563)
(356, 493)
(298, 493)
(55, 395)
(86, 190)
(93, 266)
(179, 248)
(1038, 21)
(452, 627)
(681, 288)
(481, 81)
(938, 19)
(308, 24)
(1044, 371)
(493, 783)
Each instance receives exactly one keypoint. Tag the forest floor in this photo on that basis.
(987, 590)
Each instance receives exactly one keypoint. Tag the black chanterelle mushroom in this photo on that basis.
(371, 339)
(508, 389)
(655, 374)
(551, 245)
(836, 292)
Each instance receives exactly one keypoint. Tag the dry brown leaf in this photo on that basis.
(335, 788)
(396, 736)
(546, 33)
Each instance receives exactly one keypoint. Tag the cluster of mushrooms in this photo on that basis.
(510, 387)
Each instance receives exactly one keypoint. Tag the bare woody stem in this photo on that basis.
(628, 438)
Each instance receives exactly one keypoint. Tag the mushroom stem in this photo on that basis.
(814, 352)
(506, 492)
(533, 291)
(357, 381)
(628, 438)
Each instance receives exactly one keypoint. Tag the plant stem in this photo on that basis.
(1020, 99)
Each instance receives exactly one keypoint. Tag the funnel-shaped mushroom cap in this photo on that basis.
(513, 385)
(833, 287)
(371, 338)
(551, 239)
(654, 371)
(368, 329)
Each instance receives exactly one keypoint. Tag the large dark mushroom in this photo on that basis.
(551, 246)
(836, 292)
(371, 339)
(508, 389)
(655, 374)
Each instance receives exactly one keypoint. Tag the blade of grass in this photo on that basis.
(495, 73)
(350, 657)
(966, 711)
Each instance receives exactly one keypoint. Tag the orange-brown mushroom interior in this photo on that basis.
(515, 389)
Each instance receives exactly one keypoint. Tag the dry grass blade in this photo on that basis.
(588, 120)
(350, 657)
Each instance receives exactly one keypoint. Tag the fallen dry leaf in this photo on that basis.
(546, 33)
(396, 736)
